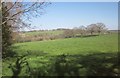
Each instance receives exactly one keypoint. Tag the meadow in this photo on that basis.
(41, 53)
(102, 43)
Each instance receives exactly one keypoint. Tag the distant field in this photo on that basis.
(42, 50)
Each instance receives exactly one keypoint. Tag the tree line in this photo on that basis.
(82, 31)
(92, 29)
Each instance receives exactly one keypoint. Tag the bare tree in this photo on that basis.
(82, 30)
(22, 11)
(14, 17)
(101, 27)
(91, 28)
(68, 33)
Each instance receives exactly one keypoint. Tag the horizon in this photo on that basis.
(57, 29)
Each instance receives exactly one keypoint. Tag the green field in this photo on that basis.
(43, 50)
(103, 43)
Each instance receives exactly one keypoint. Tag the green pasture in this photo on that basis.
(102, 43)
(42, 51)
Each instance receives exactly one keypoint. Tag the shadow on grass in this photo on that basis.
(97, 64)
(9, 53)
(100, 64)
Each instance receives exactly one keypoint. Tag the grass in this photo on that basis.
(103, 43)
(42, 51)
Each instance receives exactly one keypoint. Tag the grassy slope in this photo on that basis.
(103, 43)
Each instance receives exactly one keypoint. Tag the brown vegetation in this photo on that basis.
(82, 31)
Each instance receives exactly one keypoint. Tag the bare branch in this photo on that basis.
(23, 11)
(10, 8)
